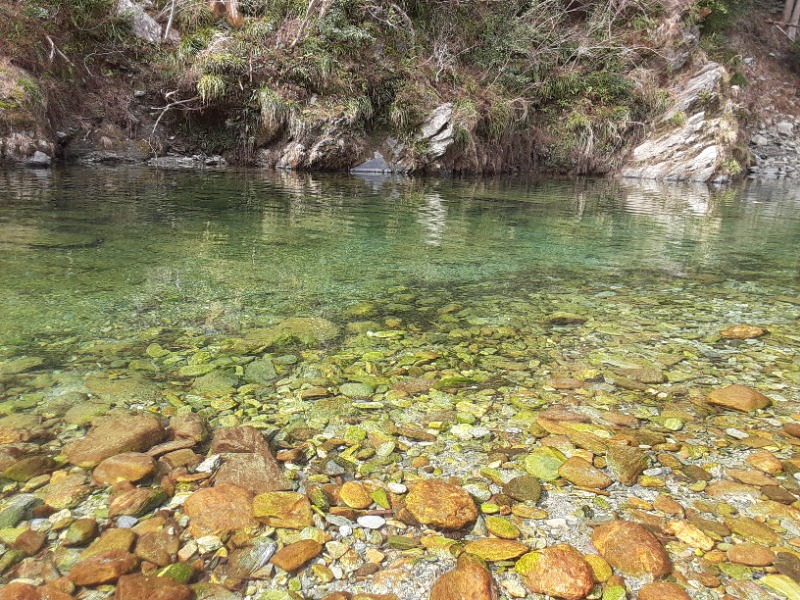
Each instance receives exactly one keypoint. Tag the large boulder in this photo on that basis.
(24, 132)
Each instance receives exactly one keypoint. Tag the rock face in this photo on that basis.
(469, 580)
(738, 397)
(774, 147)
(694, 139)
(441, 505)
(560, 572)
(24, 135)
(143, 25)
(632, 549)
(115, 435)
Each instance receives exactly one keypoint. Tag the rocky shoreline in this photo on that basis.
(390, 468)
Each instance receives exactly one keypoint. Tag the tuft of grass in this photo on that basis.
(211, 87)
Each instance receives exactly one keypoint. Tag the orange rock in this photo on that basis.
(750, 554)
(105, 567)
(581, 472)
(355, 495)
(663, 590)
(667, 505)
(19, 591)
(115, 435)
(219, 510)
(469, 580)
(632, 549)
(128, 466)
(139, 587)
(738, 397)
(441, 505)
(560, 572)
(292, 557)
(765, 461)
(742, 332)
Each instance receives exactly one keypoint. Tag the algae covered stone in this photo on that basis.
(493, 549)
(560, 572)
(441, 505)
(290, 510)
(582, 473)
(544, 463)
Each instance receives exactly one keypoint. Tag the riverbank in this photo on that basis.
(669, 92)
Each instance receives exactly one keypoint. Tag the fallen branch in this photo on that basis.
(54, 50)
(165, 109)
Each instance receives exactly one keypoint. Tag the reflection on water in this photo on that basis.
(108, 252)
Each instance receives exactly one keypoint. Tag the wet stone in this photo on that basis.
(738, 397)
(626, 463)
(140, 587)
(104, 567)
(115, 435)
(663, 590)
(129, 466)
(80, 532)
(492, 550)
(582, 473)
(524, 488)
(355, 495)
(441, 505)
(111, 539)
(289, 510)
(470, 579)
(631, 549)
(219, 510)
(292, 557)
(742, 332)
(560, 572)
(751, 555)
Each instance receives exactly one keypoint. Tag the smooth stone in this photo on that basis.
(111, 539)
(738, 397)
(582, 473)
(292, 557)
(29, 467)
(742, 332)
(245, 561)
(356, 390)
(751, 555)
(631, 549)
(544, 463)
(663, 590)
(140, 587)
(290, 510)
(261, 371)
(128, 466)
(219, 510)
(560, 572)
(115, 435)
(752, 531)
(80, 532)
(502, 528)
(441, 505)
(137, 502)
(493, 549)
(14, 509)
(525, 488)
(104, 567)
(247, 461)
(470, 580)
(626, 463)
(355, 495)
(788, 564)
(371, 521)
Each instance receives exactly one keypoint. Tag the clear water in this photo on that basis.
(105, 254)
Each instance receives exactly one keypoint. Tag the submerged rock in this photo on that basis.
(739, 397)
(632, 549)
(441, 505)
(560, 572)
(115, 435)
(470, 579)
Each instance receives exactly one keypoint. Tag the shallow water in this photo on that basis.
(96, 253)
(394, 329)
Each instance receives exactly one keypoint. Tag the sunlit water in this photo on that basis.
(105, 254)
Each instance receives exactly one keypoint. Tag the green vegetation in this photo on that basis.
(562, 73)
